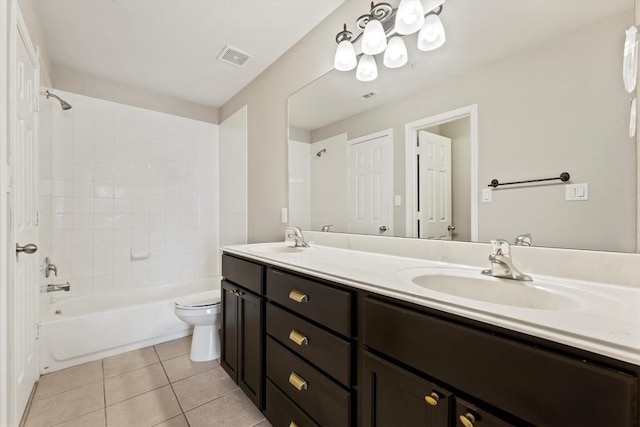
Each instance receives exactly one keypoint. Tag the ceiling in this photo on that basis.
(170, 46)
(478, 33)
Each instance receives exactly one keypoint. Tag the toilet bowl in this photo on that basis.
(203, 311)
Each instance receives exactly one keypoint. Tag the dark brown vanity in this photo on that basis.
(309, 352)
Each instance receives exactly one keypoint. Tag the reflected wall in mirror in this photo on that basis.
(545, 78)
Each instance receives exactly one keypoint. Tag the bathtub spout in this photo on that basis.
(55, 288)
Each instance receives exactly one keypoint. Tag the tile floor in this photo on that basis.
(154, 386)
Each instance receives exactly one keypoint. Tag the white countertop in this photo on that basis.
(606, 321)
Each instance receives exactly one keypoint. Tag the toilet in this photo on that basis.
(204, 311)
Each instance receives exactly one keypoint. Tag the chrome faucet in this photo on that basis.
(55, 288)
(502, 264)
(48, 268)
(295, 234)
(523, 240)
(327, 228)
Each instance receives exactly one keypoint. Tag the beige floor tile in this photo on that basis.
(147, 409)
(179, 421)
(133, 383)
(67, 379)
(66, 406)
(233, 410)
(263, 423)
(94, 419)
(202, 388)
(175, 348)
(130, 361)
(182, 367)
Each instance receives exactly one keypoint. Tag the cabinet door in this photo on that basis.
(229, 350)
(251, 346)
(468, 415)
(392, 396)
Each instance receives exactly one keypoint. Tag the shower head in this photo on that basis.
(64, 104)
(321, 152)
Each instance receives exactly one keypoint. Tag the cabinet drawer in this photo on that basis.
(325, 350)
(538, 386)
(328, 306)
(324, 400)
(243, 273)
(282, 412)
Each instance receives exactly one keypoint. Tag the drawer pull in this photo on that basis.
(298, 296)
(298, 338)
(432, 399)
(297, 381)
(467, 419)
(293, 424)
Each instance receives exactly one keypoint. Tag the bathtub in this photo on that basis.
(76, 330)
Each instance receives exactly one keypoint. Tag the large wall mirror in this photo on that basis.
(521, 90)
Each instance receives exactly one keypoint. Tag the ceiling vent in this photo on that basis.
(233, 56)
(367, 96)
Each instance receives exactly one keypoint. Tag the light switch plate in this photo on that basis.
(397, 200)
(486, 195)
(284, 215)
(576, 192)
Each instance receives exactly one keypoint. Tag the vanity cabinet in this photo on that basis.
(309, 352)
(529, 385)
(242, 353)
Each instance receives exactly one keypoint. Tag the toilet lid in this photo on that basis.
(199, 300)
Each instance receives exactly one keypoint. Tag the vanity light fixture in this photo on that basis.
(382, 22)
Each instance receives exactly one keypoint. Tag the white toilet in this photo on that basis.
(204, 311)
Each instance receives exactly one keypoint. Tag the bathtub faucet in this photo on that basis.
(55, 288)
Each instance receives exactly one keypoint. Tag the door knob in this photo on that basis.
(27, 249)
(451, 228)
(383, 228)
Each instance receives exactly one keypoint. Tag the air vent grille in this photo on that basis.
(233, 56)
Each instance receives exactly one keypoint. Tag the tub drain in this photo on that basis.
(58, 312)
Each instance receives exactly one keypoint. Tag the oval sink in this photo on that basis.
(472, 285)
(275, 248)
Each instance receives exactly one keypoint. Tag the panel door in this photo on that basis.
(251, 346)
(370, 186)
(394, 397)
(230, 330)
(23, 154)
(434, 186)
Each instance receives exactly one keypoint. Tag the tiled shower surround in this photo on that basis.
(118, 183)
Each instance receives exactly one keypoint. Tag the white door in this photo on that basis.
(370, 186)
(23, 155)
(434, 186)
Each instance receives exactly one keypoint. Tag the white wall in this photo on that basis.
(300, 184)
(233, 179)
(115, 178)
(329, 184)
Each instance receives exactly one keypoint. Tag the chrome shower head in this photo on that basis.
(64, 104)
(321, 152)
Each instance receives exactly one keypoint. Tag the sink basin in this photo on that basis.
(472, 285)
(276, 248)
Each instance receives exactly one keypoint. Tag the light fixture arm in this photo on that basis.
(384, 13)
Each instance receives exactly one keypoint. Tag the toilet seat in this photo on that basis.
(199, 301)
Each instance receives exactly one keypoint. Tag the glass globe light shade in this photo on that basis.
(396, 54)
(409, 17)
(374, 41)
(345, 58)
(432, 34)
(367, 69)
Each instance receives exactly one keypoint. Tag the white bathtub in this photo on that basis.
(81, 329)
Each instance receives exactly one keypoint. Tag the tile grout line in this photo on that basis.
(104, 391)
(171, 385)
(219, 397)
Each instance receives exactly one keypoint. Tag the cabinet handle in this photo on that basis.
(298, 338)
(467, 419)
(293, 424)
(432, 399)
(297, 381)
(298, 296)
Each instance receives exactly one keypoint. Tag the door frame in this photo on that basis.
(411, 136)
(388, 133)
